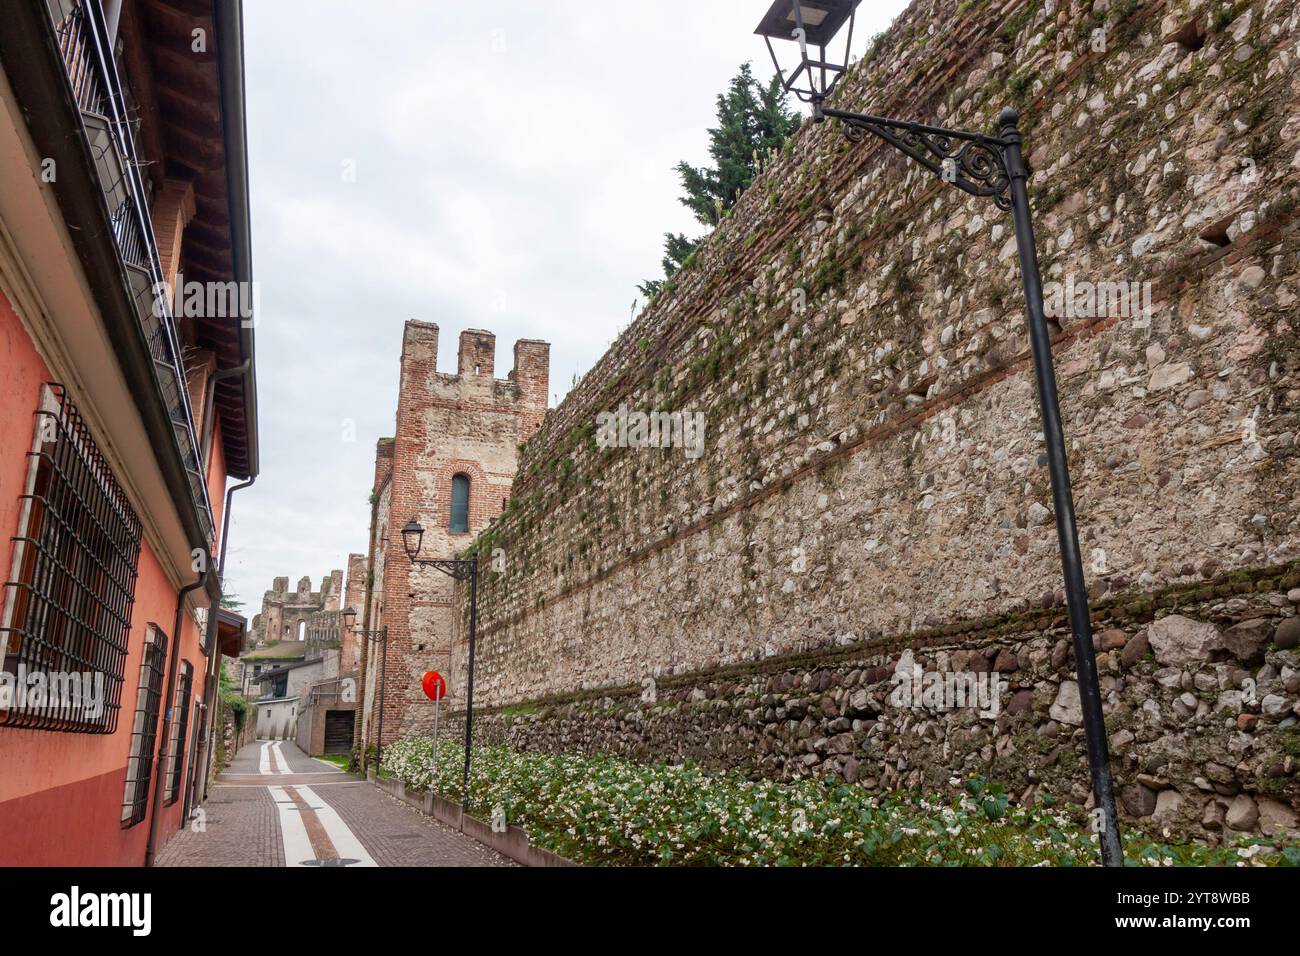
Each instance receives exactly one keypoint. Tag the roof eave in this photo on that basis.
(229, 16)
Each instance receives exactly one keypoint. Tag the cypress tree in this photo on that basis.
(752, 119)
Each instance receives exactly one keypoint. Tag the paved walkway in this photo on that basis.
(276, 806)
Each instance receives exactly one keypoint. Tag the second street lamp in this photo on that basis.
(992, 167)
(375, 637)
(460, 570)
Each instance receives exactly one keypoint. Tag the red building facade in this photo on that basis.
(128, 405)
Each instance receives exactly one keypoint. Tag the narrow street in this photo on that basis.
(275, 806)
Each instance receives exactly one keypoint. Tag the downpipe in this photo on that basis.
(160, 765)
(212, 687)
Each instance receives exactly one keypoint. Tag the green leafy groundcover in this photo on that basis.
(601, 810)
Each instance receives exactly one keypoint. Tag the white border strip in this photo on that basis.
(293, 832)
(344, 840)
(278, 758)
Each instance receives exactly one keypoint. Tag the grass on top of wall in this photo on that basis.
(604, 811)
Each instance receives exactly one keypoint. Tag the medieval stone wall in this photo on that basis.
(354, 598)
(853, 336)
(372, 620)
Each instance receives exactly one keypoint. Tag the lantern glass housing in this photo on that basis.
(413, 539)
(350, 618)
(811, 25)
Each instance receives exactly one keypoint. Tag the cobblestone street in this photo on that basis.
(275, 806)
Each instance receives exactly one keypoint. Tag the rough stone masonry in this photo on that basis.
(873, 482)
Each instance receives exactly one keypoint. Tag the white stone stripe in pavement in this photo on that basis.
(293, 832)
(344, 840)
(264, 758)
(282, 762)
(298, 850)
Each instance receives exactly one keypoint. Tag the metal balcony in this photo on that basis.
(83, 41)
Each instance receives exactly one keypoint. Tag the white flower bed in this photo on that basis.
(606, 811)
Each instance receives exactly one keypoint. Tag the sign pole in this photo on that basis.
(437, 706)
(435, 688)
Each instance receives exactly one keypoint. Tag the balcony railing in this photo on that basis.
(83, 40)
(338, 690)
(328, 638)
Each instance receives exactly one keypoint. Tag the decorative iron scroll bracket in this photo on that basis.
(973, 162)
(460, 570)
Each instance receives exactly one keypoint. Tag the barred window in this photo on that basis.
(67, 615)
(144, 731)
(179, 728)
(197, 732)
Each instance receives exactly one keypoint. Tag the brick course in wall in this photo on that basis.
(371, 612)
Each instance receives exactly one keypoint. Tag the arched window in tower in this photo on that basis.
(460, 505)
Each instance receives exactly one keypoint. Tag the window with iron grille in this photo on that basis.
(144, 731)
(180, 727)
(67, 614)
(197, 731)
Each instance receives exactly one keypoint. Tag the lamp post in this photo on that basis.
(992, 167)
(460, 570)
(375, 637)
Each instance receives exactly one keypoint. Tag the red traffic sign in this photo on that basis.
(435, 686)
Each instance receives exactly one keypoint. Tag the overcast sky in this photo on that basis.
(496, 164)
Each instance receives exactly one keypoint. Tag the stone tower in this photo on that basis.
(461, 429)
(354, 599)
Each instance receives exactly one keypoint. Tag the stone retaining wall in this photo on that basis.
(1201, 704)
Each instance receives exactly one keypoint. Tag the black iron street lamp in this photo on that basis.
(992, 167)
(375, 637)
(461, 570)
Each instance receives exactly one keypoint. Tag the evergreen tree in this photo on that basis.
(677, 249)
(752, 119)
(650, 288)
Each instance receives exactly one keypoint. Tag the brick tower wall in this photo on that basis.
(469, 423)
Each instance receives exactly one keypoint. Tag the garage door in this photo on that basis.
(338, 731)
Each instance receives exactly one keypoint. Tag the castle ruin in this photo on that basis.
(289, 616)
